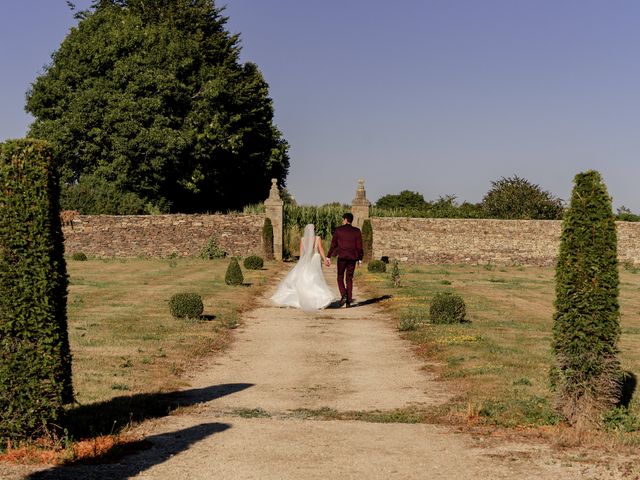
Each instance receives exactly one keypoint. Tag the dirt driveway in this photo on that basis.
(254, 412)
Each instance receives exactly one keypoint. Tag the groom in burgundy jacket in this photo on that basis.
(347, 244)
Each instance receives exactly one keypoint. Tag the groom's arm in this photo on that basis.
(359, 245)
(334, 245)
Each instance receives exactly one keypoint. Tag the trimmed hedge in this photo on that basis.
(186, 305)
(253, 262)
(267, 239)
(234, 273)
(35, 361)
(447, 308)
(367, 241)
(79, 257)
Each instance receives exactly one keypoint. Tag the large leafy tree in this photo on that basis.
(517, 198)
(405, 199)
(150, 95)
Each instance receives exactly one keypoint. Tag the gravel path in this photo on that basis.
(250, 416)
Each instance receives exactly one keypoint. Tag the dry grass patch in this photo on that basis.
(499, 362)
(123, 338)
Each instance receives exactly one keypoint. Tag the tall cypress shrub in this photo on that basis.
(267, 239)
(367, 241)
(586, 326)
(35, 361)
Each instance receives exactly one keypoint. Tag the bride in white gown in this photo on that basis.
(304, 286)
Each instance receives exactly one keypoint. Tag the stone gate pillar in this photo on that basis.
(360, 205)
(274, 210)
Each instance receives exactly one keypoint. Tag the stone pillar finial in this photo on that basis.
(360, 205)
(274, 210)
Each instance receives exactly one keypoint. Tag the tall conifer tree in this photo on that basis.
(586, 322)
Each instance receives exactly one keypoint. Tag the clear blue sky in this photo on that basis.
(435, 96)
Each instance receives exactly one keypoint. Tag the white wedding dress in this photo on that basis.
(304, 286)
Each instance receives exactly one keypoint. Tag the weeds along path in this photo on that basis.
(301, 396)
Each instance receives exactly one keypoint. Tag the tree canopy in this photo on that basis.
(405, 199)
(517, 198)
(151, 96)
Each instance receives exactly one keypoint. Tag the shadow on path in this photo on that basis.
(158, 449)
(113, 415)
(371, 300)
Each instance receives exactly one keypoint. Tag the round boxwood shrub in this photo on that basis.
(447, 308)
(79, 256)
(234, 273)
(186, 305)
(253, 262)
(377, 266)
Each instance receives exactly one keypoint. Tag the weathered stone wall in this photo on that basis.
(162, 235)
(527, 242)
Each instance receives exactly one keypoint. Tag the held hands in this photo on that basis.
(327, 262)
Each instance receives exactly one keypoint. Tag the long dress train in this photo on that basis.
(304, 286)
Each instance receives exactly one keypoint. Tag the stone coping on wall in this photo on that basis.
(482, 241)
(184, 235)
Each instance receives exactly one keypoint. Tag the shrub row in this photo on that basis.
(35, 360)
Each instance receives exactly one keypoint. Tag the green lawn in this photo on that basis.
(498, 363)
(123, 338)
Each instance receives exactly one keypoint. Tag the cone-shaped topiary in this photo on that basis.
(267, 239)
(35, 360)
(234, 273)
(367, 241)
(586, 375)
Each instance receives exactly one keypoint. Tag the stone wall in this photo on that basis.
(526, 242)
(162, 235)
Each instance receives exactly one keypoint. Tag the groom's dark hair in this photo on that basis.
(348, 217)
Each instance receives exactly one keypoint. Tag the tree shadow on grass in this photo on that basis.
(629, 383)
(152, 451)
(111, 416)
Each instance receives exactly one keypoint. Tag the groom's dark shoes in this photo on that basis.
(343, 300)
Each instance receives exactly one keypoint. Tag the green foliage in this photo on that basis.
(186, 305)
(517, 198)
(35, 361)
(233, 276)
(412, 317)
(93, 195)
(367, 241)
(587, 317)
(325, 218)
(253, 262)
(212, 250)
(405, 199)
(444, 207)
(79, 256)
(620, 419)
(395, 273)
(626, 215)
(267, 239)
(377, 266)
(530, 410)
(447, 307)
(152, 98)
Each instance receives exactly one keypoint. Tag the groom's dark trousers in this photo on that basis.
(347, 244)
(348, 267)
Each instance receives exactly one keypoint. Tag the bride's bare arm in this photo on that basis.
(320, 249)
(301, 247)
